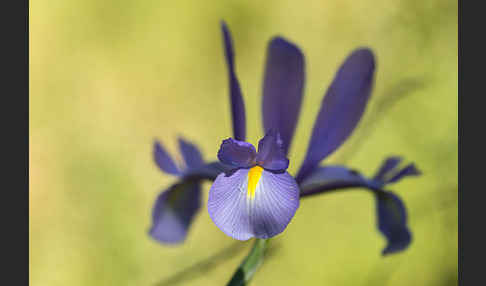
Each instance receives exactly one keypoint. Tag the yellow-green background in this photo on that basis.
(107, 77)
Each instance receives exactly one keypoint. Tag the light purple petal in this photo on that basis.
(174, 211)
(237, 153)
(270, 153)
(389, 164)
(341, 108)
(163, 160)
(191, 154)
(283, 89)
(237, 214)
(237, 104)
(409, 170)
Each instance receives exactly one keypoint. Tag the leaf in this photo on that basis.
(250, 265)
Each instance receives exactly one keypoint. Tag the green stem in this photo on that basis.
(249, 266)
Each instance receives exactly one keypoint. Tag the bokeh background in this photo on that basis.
(108, 77)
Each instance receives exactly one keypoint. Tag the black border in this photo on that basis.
(471, 191)
(15, 140)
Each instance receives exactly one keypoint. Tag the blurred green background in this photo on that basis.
(107, 77)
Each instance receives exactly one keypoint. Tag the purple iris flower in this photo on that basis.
(253, 195)
(257, 198)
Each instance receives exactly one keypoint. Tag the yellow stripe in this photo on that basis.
(254, 176)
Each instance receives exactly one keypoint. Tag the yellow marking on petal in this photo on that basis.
(254, 176)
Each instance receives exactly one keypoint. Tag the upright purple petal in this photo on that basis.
(341, 108)
(191, 154)
(237, 153)
(164, 161)
(237, 104)
(174, 211)
(392, 221)
(283, 89)
(409, 170)
(270, 152)
(263, 211)
(389, 164)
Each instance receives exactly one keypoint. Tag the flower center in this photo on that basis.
(254, 176)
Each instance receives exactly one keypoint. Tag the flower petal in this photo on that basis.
(392, 221)
(164, 161)
(390, 210)
(208, 171)
(341, 108)
(237, 104)
(388, 165)
(270, 153)
(409, 170)
(331, 178)
(191, 154)
(253, 203)
(237, 153)
(174, 211)
(283, 88)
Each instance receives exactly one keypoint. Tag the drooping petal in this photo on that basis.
(392, 221)
(388, 165)
(163, 160)
(191, 154)
(174, 211)
(341, 108)
(237, 104)
(390, 210)
(270, 152)
(331, 178)
(409, 170)
(283, 89)
(237, 153)
(253, 203)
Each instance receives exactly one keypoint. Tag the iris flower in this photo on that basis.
(258, 198)
(253, 195)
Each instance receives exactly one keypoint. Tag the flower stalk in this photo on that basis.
(250, 264)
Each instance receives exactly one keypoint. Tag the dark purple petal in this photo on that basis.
(331, 178)
(191, 154)
(388, 165)
(282, 89)
(392, 221)
(174, 211)
(237, 153)
(391, 212)
(409, 170)
(266, 213)
(237, 104)
(208, 171)
(270, 153)
(341, 108)
(164, 161)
